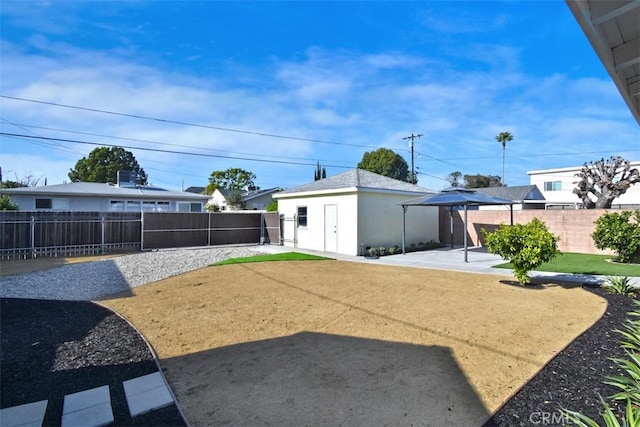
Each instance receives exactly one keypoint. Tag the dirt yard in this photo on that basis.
(343, 343)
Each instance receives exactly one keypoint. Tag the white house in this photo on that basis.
(105, 197)
(347, 212)
(557, 187)
(523, 196)
(254, 200)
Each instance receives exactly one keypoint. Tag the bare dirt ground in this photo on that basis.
(343, 343)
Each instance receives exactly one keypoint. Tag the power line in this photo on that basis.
(135, 116)
(157, 150)
(24, 126)
(411, 138)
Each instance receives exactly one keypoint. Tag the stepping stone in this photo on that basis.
(89, 408)
(27, 415)
(147, 393)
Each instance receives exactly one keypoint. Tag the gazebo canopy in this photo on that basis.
(454, 197)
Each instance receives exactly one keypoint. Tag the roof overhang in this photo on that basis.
(613, 29)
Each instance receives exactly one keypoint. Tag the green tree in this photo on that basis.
(231, 179)
(482, 181)
(454, 178)
(320, 173)
(6, 204)
(605, 180)
(385, 162)
(525, 246)
(619, 232)
(235, 199)
(503, 138)
(103, 164)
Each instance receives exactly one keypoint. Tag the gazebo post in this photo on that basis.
(451, 224)
(465, 233)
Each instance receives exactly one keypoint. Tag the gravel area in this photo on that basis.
(96, 279)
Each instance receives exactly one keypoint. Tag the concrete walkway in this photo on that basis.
(479, 261)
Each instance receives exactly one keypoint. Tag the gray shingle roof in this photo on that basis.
(518, 193)
(356, 178)
(104, 190)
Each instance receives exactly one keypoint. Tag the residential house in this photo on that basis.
(253, 199)
(356, 209)
(125, 196)
(556, 185)
(523, 196)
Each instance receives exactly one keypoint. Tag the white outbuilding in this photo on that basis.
(356, 209)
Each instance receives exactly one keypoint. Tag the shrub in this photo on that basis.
(526, 246)
(6, 204)
(382, 251)
(432, 244)
(619, 285)
(394, 250)
(422, 246)
(373, 252)
(619, 232)
(272, 206)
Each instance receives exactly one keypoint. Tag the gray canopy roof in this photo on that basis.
(458, 197)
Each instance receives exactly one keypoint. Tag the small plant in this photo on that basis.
(619, 285)
(431, 244)
(6, 204)
(394, 250)
(422, 246)
(526, 246)
(382, 251)
(628, 382)
(619, 232)
(373, 252)
(412, 248)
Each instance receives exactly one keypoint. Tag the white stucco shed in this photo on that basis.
(352, 210)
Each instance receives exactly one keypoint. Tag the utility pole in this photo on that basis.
(411, 138)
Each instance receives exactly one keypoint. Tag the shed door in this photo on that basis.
(331, 228)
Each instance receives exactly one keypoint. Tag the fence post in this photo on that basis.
(209, 230)
(33, 236)
(141, 231)
(262, 220)
(102, 234)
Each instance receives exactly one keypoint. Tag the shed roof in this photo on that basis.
(355, 179)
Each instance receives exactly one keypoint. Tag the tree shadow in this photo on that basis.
(322, 379)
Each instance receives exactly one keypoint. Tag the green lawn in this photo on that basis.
(575, 263)
(285, 256)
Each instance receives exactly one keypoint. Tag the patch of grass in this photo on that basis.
(575, 263)
(285, 256)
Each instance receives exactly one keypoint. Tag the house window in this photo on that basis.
(162, 207)
(302, 216)
(133, 206)
(44, 204)
(116, 206)
(553, 186)
(148, 206)
(189, 207)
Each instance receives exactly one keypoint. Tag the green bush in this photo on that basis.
(272, 206)
(619, 232)
(382, 251)
(6, 204)
(525, 246)
(394, 250)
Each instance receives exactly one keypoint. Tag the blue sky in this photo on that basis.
(275, 87)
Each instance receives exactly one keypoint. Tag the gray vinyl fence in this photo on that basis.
(31, 234)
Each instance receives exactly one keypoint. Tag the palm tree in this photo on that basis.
(503, 138)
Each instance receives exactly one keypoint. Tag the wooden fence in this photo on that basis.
(31, 234)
